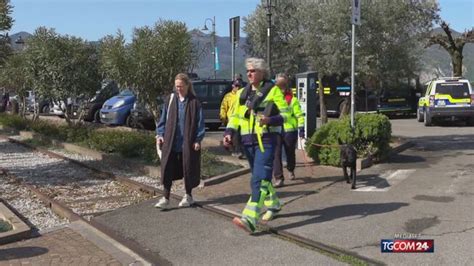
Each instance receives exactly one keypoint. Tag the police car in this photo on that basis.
(451, 97)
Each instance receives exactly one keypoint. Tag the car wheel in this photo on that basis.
(214, 126)
(129, 122)
(45, 109)
(427, 119)
(97, 116)
(419, 116)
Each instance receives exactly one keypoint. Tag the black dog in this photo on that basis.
(349, 159)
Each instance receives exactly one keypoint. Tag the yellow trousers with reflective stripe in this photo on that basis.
(267, 197)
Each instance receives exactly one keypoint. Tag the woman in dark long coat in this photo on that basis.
(180, 132)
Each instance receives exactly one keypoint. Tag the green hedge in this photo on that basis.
(127, 144)
(371, 136)
(13, 121)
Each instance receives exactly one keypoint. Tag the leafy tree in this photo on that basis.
(453, 45)
(287, 36)
(317, 35)
(115, 59)
(61, 67)
(12, 76)
(149, 64)
(6, 23)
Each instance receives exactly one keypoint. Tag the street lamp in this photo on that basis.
(213, 34)
(268, 5)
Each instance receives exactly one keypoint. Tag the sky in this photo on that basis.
(94, 19)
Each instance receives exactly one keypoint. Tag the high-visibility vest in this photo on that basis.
(250, 124)
(296, 117)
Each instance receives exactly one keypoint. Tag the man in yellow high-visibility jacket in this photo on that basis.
(292, 129)
(227, 104)
(259, 112)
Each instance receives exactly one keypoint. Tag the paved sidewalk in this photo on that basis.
(193, 236)
(233, 194)
(198, 237)
(74, 244)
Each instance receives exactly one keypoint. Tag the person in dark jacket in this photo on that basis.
(179, 134)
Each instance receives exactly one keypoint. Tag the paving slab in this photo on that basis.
(61, 247)
(76, 243)
(193, 236)
(234, 194)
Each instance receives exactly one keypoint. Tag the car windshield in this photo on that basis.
(217, 90)
(126, 92)
(201, 90)
(210, 90)
(455, 89)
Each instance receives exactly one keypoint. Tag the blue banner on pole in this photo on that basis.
(218, 67)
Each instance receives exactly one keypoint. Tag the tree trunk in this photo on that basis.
(322, 103)
(456, 59)
(35, 111)
(65, 112)
(23, 107)
(345, 107)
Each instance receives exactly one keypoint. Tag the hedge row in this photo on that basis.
(371, 136)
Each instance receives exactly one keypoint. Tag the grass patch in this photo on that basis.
(38, 142)
(212, 166)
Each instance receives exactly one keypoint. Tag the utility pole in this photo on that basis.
(354, 21)
(234, 27)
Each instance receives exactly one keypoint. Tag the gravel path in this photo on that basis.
(78, 187)
(28, 205)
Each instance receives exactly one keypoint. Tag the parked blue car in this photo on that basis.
(116, 110)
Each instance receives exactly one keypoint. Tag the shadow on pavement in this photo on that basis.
(21, 252)
(444, 143)
(404, 158)
(243, 198)
(336, 212)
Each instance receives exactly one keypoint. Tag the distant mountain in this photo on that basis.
(206, 62)
(436, 61)
(14, 38)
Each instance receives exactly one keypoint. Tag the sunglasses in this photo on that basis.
(251, 70)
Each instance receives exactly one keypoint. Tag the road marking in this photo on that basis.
(389, 179)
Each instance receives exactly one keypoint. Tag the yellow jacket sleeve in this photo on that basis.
(297, 111)
(279, 99)
(225, 107)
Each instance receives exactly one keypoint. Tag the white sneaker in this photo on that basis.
(163, 203)
(186, 201)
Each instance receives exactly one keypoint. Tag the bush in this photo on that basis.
(14, 121)
(48, 129)
(127, 144)
(371, 137)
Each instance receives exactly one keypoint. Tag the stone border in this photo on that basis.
(20, 229)
(364, 163)
(152, 171)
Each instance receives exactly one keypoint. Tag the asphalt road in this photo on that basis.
(427, 191)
